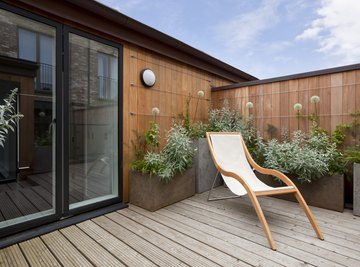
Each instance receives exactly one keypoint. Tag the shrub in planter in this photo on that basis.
(352, 157)
(163, 177)
(224, 119)
(306, 156)
(176, 156)
(312, 162)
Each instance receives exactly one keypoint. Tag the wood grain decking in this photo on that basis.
(195, 232)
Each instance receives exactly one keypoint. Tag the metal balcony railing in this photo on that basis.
(107, 87)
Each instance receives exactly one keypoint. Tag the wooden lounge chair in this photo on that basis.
(235, 164)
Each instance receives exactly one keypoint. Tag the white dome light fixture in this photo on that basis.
(147, 77)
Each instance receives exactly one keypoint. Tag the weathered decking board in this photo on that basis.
(195, 232)
(35, 194)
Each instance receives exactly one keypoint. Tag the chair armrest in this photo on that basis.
(286, 180)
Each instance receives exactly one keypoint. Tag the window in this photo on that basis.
(107, 76)
(38, 47)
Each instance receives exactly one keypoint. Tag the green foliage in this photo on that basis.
(224, 119)
(352, 155)
(8, 116)
(197, 130)
(44, 140)
(152, 135)
(340, 133)
(343, 130)
(177, 153)
(307, 156)
(175, 157)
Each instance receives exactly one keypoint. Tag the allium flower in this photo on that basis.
(200, 93)
(155, 111)
(297, 106)
(315, 99)
(249, 105)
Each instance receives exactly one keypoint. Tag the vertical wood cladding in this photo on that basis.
(273, 102)
(175, 82)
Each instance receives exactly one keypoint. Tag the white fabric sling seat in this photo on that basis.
(236, 166)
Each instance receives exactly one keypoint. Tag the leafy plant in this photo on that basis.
(307, 156)
(176, 156)
(177, 153)
(343, 130)
(44, 140)
(152, 135)
(8, 116)
(352, 155)
(224, 119)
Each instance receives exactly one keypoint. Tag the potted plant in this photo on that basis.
(42, 161)
(313, 163)
(224, 119)
(352, 157)
(162, 177)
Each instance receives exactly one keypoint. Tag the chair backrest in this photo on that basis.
(229, 154)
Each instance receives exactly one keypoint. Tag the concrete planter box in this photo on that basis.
(326, 192)
(205, 168)
(356, 189)
(152, 194)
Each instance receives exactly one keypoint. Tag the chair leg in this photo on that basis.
(263, 221)
(309, 214)
(210, 198)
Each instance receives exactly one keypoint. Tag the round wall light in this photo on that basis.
(147, 77)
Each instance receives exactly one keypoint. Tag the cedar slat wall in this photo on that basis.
(273, 102)
(174, 82)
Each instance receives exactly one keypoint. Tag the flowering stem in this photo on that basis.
(197, 103)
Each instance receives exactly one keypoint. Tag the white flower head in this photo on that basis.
(200, 93)
(297, 107)
(155, 111)
(315, 99)
(249, 105)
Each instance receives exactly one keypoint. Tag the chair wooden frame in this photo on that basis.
(254, 195)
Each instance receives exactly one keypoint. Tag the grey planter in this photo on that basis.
(205, 168)
(326, 192)
(356, 189)
(151, 194)
(42, 161)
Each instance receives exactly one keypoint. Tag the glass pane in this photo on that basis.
(27, 171)
(27, 45)
(93, 122)
(46, 62)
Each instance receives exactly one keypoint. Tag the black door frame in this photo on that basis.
(61, 122)
(66, 98)
(6, 231)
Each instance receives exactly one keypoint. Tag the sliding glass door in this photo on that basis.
(28, 177)
(62, 158)
(93, 121)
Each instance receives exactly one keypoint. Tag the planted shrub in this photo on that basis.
(175, 157)
(306, 156)
(224, 120)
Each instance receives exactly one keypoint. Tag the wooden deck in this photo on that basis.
(35, 193)
(195, 232)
